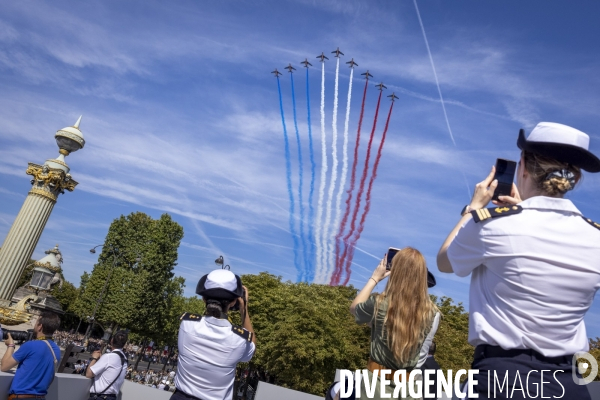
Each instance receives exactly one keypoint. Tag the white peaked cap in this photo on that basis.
(562, 143)
(221, 279)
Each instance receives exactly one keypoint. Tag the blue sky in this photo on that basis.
(181, 115)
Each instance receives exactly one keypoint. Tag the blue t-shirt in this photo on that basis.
(36, 368)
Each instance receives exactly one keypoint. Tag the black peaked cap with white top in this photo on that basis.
(220, 284)
(562, 143)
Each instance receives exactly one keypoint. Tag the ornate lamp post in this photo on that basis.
(49, 180)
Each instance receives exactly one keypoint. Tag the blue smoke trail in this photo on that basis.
(311, 210)
(300, 180)
(288, 174)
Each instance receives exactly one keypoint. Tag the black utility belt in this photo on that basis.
(187, 395)
(489, 351)
(103, 396)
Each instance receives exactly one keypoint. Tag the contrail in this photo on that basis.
(300, 180)
(327, 244)
(437, 82)
(342, 226)
(336, 277)
(363, 218)
(311, 209)
(288, 173)
(333, 255)
(320, 277)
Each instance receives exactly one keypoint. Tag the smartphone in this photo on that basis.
(505, 173)
(390, 255)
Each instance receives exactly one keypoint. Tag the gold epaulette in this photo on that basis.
(190, 317)
(592, 223)
(238, 330)
(494, 212)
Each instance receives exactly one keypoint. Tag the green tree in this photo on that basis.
(453, 349)
(304, 331)
(137, 260)
(595, 352)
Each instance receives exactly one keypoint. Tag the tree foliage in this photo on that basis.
(595, 352)
(136, 265)
(304, 331)
(453, 349)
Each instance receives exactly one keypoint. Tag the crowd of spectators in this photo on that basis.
(157, 379)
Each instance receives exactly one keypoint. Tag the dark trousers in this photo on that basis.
(524, 374)
(179, 395)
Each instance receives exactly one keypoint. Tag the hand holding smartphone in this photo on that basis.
(505, 174)
(390, 255)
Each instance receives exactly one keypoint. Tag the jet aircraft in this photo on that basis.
(323, 57)
(381, 86)
(393, 97)
(276, 73)
(352, 63)
(305, 63)
(337, 52)
(290, 68)
(367, 75)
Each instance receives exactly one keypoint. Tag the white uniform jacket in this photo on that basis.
(533, 277)
(209, 350)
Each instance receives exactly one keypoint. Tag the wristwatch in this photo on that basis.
(465, 210)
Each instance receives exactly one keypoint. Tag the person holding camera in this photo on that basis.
(210, 347)
(400, 317)
(533, 266)
(36, 360)
(108, 371)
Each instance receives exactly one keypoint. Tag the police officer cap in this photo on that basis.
(220, 284)
(562, 143)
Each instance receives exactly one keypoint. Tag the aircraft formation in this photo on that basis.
(322, 57)
(324, 253)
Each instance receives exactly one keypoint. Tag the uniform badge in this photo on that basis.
(238, 330)
(495, 212)
(190, 317)
(592, 223)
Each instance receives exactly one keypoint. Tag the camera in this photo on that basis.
(18, 336)
(94, 347)
(236, 306)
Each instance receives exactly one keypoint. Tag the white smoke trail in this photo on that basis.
(319, 276)
(338, 200)
(327, 242)
(437, 82)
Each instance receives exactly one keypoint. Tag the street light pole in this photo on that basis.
(93, 318)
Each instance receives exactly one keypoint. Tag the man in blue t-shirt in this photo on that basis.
(36, 360)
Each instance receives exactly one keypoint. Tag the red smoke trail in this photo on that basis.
(342, 227)
(335, 280)
(363, 218)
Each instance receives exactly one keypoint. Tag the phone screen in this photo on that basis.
(390, 255)
(505, 174)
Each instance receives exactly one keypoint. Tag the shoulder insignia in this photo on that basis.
(494, 212)
(238, 330)
(592, 223)
(190, 317)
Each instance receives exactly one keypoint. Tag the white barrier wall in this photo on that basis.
(76, 387)
(266, 391)
(65, 386)
(135, 391)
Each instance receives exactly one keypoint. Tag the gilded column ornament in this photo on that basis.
(48, 181)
